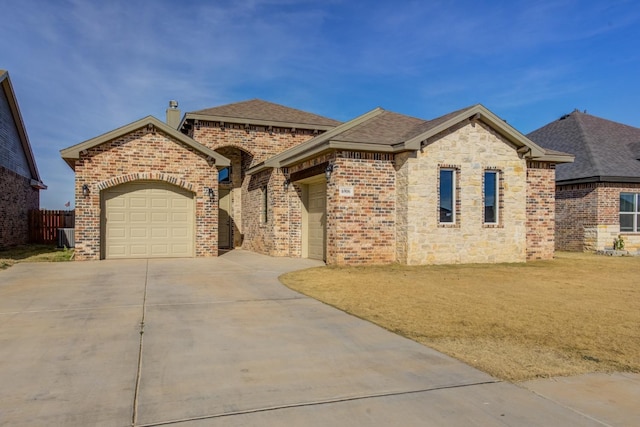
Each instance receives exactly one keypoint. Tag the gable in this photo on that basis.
(15, 149)
(71, 154)
(12, 154)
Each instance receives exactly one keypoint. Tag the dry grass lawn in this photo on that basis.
(33, 253)
(575, 314)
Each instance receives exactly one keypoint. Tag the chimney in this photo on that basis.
(173, 115)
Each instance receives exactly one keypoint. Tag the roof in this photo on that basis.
(384, 131)
(7, 87)
(605, 151)
(71, 154)
(257, 111)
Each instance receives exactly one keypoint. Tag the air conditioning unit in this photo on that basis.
(66, 237)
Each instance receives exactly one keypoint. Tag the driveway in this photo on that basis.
(220, 342)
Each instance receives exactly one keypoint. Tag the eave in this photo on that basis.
(256, 122)
(595, 179)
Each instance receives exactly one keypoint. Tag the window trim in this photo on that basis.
(454, 196)
(497, 197)
(634, 213)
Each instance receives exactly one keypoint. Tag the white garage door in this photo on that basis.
(317, 220)
(148, 219)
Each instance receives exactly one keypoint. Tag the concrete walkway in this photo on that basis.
(208, 342)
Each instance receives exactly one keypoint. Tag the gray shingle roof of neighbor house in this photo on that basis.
(257, 111)
(605, 151)
(71, 154)
(7, 87)
(384, 131)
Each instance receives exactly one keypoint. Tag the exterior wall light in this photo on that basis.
(85, 190)
(328, 171)
(208, 191)
(286, 184)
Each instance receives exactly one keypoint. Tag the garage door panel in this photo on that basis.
(159, 217)
(138, 202)
(157, 203)
(148, 219)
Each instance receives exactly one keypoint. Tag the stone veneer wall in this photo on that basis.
(361, 228)
(588, 216)
(142, 155)
(470, 148)
(17, 198)
(540, 210)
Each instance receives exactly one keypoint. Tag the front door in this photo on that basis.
(224, 219)
(317, 222)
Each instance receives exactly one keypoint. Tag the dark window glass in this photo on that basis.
(491, 197)
(447, 214)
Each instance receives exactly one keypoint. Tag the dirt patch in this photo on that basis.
(575, 314)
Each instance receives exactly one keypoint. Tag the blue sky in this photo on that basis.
(83, 68)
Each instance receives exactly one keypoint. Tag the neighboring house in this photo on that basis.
(597, 196)
(20, 183)
(381, 188)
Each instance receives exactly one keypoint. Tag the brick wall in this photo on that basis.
(576, 209)
(17, 197)
(588, 216)
(540, 210)
(256, 144)
(142, 155)
(361, 228)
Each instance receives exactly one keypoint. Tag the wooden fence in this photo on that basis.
(43, 225)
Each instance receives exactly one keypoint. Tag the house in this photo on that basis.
(597, 196)
(20, 182)
(381, 188)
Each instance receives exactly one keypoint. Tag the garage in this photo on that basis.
(147, 219)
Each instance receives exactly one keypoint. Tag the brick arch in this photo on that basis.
(145, 176)
(236, 146)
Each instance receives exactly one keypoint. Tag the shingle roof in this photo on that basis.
(604, 150)
(388, 128)
(257, 109)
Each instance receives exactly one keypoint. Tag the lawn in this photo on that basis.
(33, 253)
(575, 314)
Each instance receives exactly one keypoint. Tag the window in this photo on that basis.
(630, 212)
(490, 193)
(265, 205)
(224, 175)
(447, 196)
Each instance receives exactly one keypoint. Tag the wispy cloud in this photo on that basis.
(82, 68)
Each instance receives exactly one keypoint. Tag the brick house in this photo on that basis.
(20, 182)
(381, 188)
(597, 196)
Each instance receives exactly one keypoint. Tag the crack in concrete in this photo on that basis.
(313, 403)
(134, 415)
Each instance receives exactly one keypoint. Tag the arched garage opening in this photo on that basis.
(147, 219)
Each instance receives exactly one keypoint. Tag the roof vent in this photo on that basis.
(173, 104)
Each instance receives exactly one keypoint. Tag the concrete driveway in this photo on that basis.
(220, 342)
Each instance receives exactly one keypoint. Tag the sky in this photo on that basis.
(81, 68)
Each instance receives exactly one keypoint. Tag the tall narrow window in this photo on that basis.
(491, 197)
(265, 205)
(630, 212)
(447, 196)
